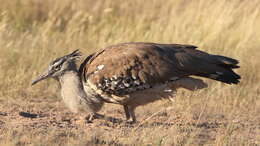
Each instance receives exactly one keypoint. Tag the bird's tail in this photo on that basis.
(222, 70)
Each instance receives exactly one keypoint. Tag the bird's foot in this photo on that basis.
(92, 116)
(130, 121)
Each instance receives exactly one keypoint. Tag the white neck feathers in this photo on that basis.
(72, 90)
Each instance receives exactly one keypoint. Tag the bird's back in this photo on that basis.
(127, 68)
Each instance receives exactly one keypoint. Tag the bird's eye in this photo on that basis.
(57, 67)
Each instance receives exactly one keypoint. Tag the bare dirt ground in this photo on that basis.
(45, 121)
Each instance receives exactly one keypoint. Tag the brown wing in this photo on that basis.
(127, 67)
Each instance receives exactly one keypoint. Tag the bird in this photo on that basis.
(134, 74)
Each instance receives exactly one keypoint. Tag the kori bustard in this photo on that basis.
(134, 74)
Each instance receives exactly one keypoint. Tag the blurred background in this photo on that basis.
(33, 32)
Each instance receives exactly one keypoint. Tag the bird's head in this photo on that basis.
(59, 66)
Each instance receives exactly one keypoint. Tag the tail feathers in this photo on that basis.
(226, 62)
(228, 77)
(222, 70)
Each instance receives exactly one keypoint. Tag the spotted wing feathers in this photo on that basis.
(128, 67)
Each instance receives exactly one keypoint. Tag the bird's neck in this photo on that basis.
(73, 93)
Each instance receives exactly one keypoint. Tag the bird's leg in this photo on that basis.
(127, 114)
(132, 118)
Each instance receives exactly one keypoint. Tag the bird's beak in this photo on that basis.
(43, 76)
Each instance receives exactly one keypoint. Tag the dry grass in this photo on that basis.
(32, 32)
